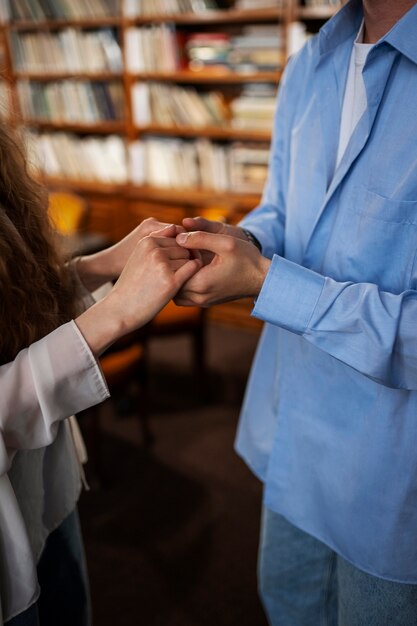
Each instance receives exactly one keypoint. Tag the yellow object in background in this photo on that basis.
(216, 213)
(67, 212)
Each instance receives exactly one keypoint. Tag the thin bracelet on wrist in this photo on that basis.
(252, 239)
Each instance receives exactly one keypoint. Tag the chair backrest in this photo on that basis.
(67, 211)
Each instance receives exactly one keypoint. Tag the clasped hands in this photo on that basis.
(200, 262)
(220, 263)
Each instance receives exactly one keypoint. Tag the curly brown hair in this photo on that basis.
(36, 292)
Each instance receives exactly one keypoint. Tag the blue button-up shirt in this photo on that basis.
(329, 420)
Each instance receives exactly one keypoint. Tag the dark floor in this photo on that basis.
(172, 540)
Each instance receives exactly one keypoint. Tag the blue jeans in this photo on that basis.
(62, 575)
(302, 582)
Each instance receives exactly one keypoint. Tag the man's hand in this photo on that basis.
(216, 228)
(236, 270)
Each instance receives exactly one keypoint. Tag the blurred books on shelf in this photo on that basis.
(255, 107)
(323, 3)
(208, 50)
(69, 50)
(256, 48)
(136, 8)
(172, 105)
(173, 163)
(248, 167)
(164, 49)
(5, 11)
(71, 101)
(41, 10)
(259, 4)
(152, 49)
(63, 155)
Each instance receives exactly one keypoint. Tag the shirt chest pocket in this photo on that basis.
(382, 235)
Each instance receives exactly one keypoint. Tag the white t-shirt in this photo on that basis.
(354, 102)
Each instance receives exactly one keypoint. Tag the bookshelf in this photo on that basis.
(71, 102)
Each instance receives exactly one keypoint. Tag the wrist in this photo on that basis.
(94, 270)
(102, 324)
(251, 238)
(262, 270)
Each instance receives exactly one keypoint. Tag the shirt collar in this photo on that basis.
(346, 23)
(402, 35)
(343, 26)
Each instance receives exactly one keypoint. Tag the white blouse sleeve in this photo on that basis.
(54, 378)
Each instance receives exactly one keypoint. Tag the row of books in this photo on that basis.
(163, 49)
(259, 4)
(323, 3)
(71, 101)
(64, 155)
(143, 8)
(39, 10)
(169, 163)
(173, 163)
(68, 50)
(172, 105)
(258, 47)
(153, 49)
(255, 107)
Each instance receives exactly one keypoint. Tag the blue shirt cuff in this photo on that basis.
(289, 295)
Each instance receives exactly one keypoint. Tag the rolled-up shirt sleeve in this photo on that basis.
(54, 378)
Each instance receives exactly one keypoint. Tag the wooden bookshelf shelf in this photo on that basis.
(156, 194)
(47, 77)
(194, 196)
(48, 25)
(105, 127)
(88, 186)
(249, 16)
(219, 76)
(212, 132)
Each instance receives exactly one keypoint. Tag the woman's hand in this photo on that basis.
(96, 269)
(156, 269)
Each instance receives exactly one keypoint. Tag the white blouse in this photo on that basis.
(40, 478)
